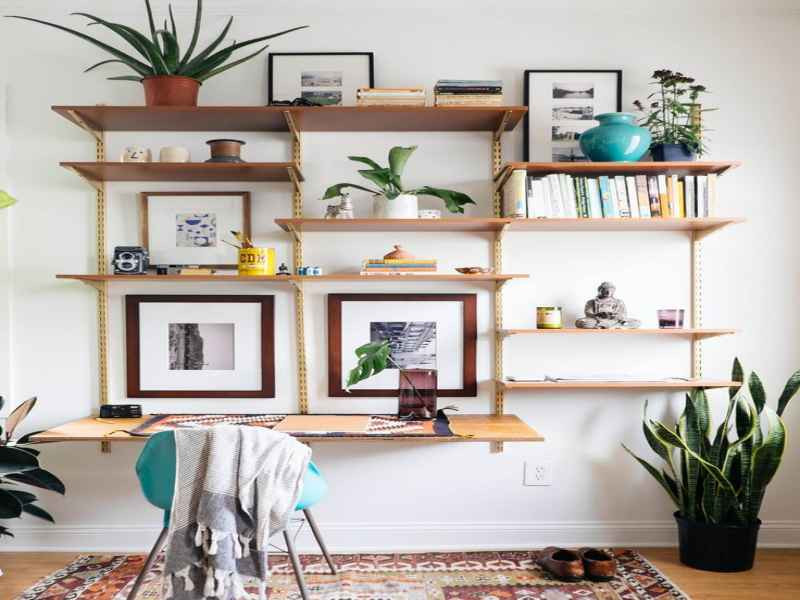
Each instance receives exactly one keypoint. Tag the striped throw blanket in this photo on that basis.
(235, 487)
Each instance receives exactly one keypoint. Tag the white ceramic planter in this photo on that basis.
(405, 206)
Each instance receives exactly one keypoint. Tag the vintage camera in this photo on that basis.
(120, 411)
(130, 260)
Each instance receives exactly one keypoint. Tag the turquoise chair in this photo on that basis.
(156, 469)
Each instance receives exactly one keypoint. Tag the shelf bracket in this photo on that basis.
(296, 234)
(97, 185)
(94, 131)
(287, 114)
(498, 133)
(293, 170)
(697, 302)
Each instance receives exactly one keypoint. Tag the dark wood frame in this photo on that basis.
(270, 65)
(144, 226)
(267, 347)
(470, 329)
(527, 98)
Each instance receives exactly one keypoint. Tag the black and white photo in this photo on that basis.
(412, 343)
(573, 90)
(573, 112)
(328, 78)
(201, 346)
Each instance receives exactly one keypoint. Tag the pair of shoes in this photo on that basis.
(589, 563)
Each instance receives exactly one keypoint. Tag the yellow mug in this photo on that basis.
(256, 261)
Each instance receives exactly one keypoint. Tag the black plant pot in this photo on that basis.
(721, 548)
(671, 153)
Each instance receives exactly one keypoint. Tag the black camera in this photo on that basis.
(130, 260)
(120, 411)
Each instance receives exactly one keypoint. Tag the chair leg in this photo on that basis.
(318, 536)
(298, 570)
(162, 537)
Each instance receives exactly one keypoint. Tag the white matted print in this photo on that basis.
(188, 228)
(561, 106)
(199, 346)
(330, 79)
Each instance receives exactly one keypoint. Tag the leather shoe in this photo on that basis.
(598, 565)
(563, 564)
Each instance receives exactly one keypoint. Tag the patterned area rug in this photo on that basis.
(431, 576)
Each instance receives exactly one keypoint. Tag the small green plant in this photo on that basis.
(6, 199)
(161, 53)
(389, 183)
(19, 465)
(672, 112)
(721, 480)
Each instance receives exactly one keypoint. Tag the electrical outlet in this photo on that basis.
(539, 472)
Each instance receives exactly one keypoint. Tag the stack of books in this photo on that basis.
(390, 97)
(468, 92)
(564, 196)
(398, 266)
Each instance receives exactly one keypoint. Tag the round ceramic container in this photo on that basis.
(548, 317)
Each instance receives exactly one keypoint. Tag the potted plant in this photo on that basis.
(672, 114)
(718, 483)
(169, 77)
(19, 464)
(391, 199)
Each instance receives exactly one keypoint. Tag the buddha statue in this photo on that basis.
(605, 311)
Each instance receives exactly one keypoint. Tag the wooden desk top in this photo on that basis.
(468, 428)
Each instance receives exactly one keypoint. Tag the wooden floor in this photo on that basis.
(776, 575)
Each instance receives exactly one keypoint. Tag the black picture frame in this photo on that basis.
(271, 64)
(526, 99)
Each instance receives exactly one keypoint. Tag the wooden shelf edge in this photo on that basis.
(687, 332)
(700, 224)
(446, 224)
(610, 385)
(97, 172)
(290, 278)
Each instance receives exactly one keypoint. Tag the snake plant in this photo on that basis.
(717, 479)
(389, 183)
(160, 54)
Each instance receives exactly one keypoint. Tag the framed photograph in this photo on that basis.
(187, 228)
(200, 346)
(329, 78)
(427, 331)
(561, 106)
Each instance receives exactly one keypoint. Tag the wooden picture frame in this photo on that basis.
(526, 134)
(144, 222)
(271, 66)
(469, 387)
(266, 345)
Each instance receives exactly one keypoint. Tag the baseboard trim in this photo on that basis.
(403, 537)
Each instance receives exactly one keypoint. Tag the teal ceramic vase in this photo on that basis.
(616, 139)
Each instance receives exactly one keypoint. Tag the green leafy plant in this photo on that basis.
(672, 111)
(389, 182)
(161, 53)
(717, 479)
(19, 465)
(6, 199)
(374, 357)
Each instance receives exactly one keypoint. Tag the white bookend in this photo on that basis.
(712, 195)
(702, 196)
(515, 195)
(595, 206)
(623, 207)
(689, 196)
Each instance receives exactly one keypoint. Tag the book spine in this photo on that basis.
(607, 203)
(570, 198)
(655, 196)
(689, 192)
(642, 196)
(681, 200)
(555, 196)
(711, 207)
(400, 261)
(663, 195)
(514, 196)
(672, 187)
(595, 205)
(546, 207)
(633, 201)
(702, 195)
(623, 207)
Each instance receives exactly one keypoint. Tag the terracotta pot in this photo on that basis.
(170, 90)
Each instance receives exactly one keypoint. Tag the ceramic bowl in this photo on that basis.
(473, 270)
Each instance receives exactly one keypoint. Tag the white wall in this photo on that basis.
(408, 495)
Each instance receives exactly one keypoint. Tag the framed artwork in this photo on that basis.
(427, 331)
(200, 346)
(561, 106)
(187, 228)
(329, 78)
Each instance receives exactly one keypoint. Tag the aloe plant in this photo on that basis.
(718, 479)
(19, 465)
(389, 181)
(160, 54)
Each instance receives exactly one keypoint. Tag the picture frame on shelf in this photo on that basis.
(561, 105)
(441, 327)
(187, 228)
(193, 346)
(328, 78)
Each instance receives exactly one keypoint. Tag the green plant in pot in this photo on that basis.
(673, 116)
(19, 466)
(391, 199)
(170, 75)
(718, 482)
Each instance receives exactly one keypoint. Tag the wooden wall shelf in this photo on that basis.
(698, 334)
(233, 278)
(349, 225)
(98, 172)
(617, 385)
(273, 118)
(706, 224)
(593, 169)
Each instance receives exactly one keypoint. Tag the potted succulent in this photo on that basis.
(718, 483)
(170, 78)
(672, 114)
(391, 199)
